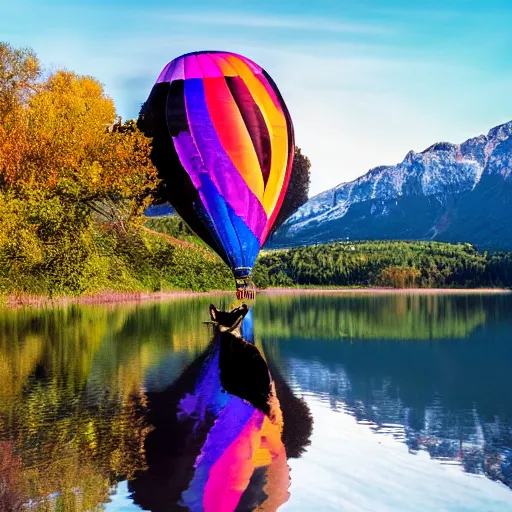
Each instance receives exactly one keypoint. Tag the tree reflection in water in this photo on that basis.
(433, 371)
(72, 402)
(82, 386)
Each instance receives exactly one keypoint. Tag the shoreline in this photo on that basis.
(386, 291)
(18, 301)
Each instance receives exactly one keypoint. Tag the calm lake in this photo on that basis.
(386, 403)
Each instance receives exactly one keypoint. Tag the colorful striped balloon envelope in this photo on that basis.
(241, 441)
(224, 145)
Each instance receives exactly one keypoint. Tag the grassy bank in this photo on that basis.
(105, 260)
(107, 264)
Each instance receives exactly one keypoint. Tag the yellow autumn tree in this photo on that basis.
(399, 277)
(74, 182)
(20, 73)
(70, 143)
(69, 169)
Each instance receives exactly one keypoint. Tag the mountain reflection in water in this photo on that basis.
(435, 375)
(90, 398)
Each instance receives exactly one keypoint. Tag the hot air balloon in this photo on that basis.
(223, 144)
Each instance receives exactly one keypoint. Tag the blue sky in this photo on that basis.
(365, 81)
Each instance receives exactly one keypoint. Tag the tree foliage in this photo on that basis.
(74, 181)
(298, 188)
(81, 369)
(389, 264)
(19, 74)
(66, 140)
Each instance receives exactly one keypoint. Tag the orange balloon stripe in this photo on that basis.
(263, 79)
(226, 68)
(277, 128)
(233, 133)
(282, 194)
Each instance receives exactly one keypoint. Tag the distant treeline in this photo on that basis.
(384, 263)
(394, 264)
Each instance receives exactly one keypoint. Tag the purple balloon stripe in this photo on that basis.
(187, 153)
(221, 169)
(178, 71)
(229, 425)
(192, 162)
(166, 72)
(209, 66)
(192, 68)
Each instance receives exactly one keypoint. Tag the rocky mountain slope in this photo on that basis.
(448, 192)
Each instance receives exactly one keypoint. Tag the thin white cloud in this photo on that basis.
(251, 20)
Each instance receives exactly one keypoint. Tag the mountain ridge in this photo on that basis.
(431, 194)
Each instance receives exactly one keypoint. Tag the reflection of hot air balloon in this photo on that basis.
(224, 148)
(217, 440)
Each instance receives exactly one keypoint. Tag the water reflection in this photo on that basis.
(449, 396)
(218, 443)
(92, 396)
(96, 395)
(363, 316)
(72, 407)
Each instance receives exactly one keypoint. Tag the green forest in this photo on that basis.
(388, 264)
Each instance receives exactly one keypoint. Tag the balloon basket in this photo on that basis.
(245, 291)
(245, 295)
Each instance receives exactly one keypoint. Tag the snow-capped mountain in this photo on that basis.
(448, 192)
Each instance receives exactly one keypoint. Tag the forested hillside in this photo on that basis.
(388, 264)
(393, 264)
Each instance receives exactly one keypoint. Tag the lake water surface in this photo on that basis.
(388, 403)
